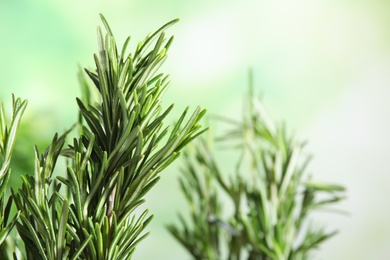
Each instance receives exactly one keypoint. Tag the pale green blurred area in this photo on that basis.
(323, 67)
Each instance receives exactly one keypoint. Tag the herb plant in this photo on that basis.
(7, 141)
(261, 209)
(122, 146)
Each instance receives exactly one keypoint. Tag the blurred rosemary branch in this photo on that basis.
(261, 211)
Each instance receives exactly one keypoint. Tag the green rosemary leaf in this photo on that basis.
(148, 186)
(99, 241)
(7, 210)
(193, 137)
(95, 79)
(103, 197)
(2, 122)
(81, 248)
(64, 180)
(157, 46)
(34, 236)
(61, 242)
(160, 118)
(96, 185)
(92, 121)
(124, 75)
(324, 187)
(91, 247)
(106, 25)
(5, 231)
(70, 231)
(87, 155)
(18, 109)
(167, 161)
(124, 48)
(4, 181)
(150, 38)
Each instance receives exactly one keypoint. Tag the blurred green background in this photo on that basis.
(323, 67)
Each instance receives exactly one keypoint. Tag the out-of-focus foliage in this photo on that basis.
(262, 210)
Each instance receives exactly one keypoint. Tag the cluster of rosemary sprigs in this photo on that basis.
(259, 211)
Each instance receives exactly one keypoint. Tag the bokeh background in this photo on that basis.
(322, 67)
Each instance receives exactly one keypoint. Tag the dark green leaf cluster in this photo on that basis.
(89, 213)
(268, 192)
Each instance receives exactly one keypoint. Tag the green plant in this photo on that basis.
(261, 210)
(122, 146)
(7, 141)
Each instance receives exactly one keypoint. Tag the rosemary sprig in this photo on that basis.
(124, 144)
(7, 141)
(269, 194)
